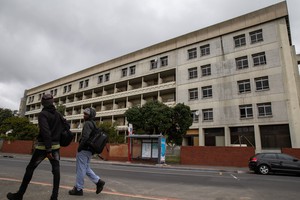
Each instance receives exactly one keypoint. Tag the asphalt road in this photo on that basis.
(130, 182)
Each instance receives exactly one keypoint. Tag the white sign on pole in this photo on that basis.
(130, 129)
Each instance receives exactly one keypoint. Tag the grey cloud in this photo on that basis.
(45, 40)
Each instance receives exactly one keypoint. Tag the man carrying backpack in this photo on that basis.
(84, 155)
(50, 127)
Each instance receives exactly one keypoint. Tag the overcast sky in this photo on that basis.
(43, 40)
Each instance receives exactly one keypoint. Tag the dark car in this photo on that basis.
(264, 163)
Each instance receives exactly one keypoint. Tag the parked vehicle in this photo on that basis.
(264, 163)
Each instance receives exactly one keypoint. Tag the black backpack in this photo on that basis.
(98, 140)
(66, 136)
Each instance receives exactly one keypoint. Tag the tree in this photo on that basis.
(4, 114)
(135, 117)
(153, 117)
(18, 128)
(181, 121)
(156, 118)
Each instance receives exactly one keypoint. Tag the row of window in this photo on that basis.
(125, 71)
(204, 50)
(261, 83)
(156, 63)
(241, 63)
(240, 40)
(255, 36)
(244, 86)
(246, 112)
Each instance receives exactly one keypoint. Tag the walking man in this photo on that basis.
(84, 155)
(50, 127)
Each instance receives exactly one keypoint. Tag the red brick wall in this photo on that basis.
(216, 156)
(293, 152)
(17, 146)
(69, 151)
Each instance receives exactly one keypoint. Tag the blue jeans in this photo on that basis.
(83, 168)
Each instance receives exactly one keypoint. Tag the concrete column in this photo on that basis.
(201, 137)
(258, 148)
(227, 136)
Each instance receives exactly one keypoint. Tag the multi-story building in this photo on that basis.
(239, 77)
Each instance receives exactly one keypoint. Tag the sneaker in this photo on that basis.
(99, 186)
(76, 192)
(14, 196)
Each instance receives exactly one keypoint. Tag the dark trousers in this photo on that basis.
(37, 157)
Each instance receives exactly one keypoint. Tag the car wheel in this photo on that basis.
(264, 169)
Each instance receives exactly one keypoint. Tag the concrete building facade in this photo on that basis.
(240, 78)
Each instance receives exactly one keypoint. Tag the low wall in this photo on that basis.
(69, 151)
(216, 156)
(293, 152)
(17, 146)
(117, 152)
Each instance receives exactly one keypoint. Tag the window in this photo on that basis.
(206, 70)
(153, 64)
(132, 70)
(259, 59)
(285, 157)
(164, 61)
(256, 36)
(193, 73)
(193, 94)
(69, 88)
(207, 114)
(86, 83)
(100, 79)
(195, 116)
(31, 99)
(83, 84)
(269, 156)
(107, 77)
(207, 92)
(239, 40)
(275, 136)
(262, 83)
(192, 53)
(65, 89)
(40, 97)
(205, 50)
(241, 62)
(80, 84)
(242, 135)
(124, 72)
(244, 86)
(53, 92)
(264, 109)
(246, 111)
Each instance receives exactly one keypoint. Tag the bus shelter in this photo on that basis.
(150, 147)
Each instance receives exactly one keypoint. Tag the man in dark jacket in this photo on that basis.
(50, 127)
(84, 156)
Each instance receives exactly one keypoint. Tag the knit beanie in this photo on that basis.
(47, 100)
(87, 111)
